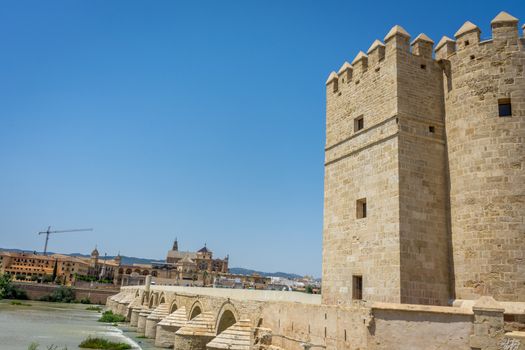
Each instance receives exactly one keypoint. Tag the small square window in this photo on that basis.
(431, 129)
(361, 208)
(504, 107)
(359, 123)
(357, 287)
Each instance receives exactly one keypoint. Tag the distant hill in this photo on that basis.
(130, 260)
(242, 271)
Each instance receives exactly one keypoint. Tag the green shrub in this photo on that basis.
(101, 343)
(10, 291)
(110, 317)
(61, 294)
(47, 279)
(19, 303)
(85, 301)
(85, 278)
(94, 308)
(92, 279)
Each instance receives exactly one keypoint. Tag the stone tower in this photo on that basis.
(94, 257)
(399, 134)
(118, 259)
(485, 125)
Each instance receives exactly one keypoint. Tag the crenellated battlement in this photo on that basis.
(380, 53)
(467, 37)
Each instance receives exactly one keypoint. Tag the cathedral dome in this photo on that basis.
(204, 250)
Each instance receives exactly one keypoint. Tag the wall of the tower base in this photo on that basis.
(368, 247)
(487, 164)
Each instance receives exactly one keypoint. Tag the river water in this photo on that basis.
(62, 325)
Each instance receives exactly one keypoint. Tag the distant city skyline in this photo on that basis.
(203, 121)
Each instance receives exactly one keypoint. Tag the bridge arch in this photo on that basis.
(173, 306)
(227, 317)
(196, 309)
(153, 300)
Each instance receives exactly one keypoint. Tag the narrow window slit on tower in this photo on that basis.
(504, 107)
(466, 43)
(432, 129)
(423, 66)
(472, 57)
(359, 123)
(357, 287)
(361, 208)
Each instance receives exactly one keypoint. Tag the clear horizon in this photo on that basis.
(202, 121)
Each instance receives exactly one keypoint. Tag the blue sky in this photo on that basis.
(202, 120)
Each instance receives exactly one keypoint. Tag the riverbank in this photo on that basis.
(35, 291)
(63, 325)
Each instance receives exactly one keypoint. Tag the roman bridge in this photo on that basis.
(208, 318)
(192, 318)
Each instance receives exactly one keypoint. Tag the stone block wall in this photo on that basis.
(330, 326)
(362, 164)
(96, 296)
(397, 162)
(423, 184)
(486, 160)
(406, 328)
